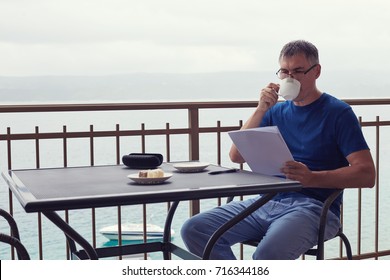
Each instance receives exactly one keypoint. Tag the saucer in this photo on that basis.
(149, 181)
(191, 166)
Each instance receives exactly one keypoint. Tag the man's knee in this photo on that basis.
(187, 230)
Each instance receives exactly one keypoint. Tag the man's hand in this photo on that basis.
(268, 97)
(297, 171)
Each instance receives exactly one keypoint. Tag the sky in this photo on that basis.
(108, 37)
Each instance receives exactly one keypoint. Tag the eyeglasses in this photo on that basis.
(284, 73)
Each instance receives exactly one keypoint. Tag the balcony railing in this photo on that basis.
(53, 135)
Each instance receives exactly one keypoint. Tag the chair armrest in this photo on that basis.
(11, 223)
(14, 238)
(21, 250)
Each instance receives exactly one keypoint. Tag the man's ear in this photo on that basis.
(318, 71)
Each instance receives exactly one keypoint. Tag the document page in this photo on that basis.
(263, 149)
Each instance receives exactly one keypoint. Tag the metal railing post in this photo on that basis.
(193, 142)
(193, 125)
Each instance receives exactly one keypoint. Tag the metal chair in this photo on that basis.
(318, 250)
(14, 238)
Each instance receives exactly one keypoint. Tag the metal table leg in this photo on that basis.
(167, 229)
(226, 226)
(72, 235)
(168, 247)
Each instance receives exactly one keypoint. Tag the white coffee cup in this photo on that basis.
(289, 88)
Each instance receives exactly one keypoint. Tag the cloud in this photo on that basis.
(67, 37)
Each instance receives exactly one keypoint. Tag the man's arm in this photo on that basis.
(268, 98)
(359, 174)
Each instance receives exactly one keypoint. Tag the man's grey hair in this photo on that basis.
(300, 47)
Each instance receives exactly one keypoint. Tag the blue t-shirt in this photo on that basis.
(320, 135)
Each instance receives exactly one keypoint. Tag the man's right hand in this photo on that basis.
(268, 97)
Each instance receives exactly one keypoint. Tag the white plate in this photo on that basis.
(149, 181)
(191, 166)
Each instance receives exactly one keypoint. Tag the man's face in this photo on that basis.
(297, 67)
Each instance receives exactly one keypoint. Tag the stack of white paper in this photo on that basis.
(263, 149)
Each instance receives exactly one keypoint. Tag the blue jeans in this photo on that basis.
(287, 227)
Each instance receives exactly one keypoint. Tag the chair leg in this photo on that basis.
(347, 245)
(318, 251)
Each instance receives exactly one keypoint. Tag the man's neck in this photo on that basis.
(308, 98)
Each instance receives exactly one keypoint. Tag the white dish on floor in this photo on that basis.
(190, 166)
(149, 181)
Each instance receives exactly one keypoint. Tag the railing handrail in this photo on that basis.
(64, 107)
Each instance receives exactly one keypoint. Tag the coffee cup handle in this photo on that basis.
(277, 92)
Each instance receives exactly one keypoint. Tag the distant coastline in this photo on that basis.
(180, 87)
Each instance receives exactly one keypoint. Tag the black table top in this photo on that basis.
(103, 186)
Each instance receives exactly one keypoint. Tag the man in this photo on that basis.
(329, 150)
